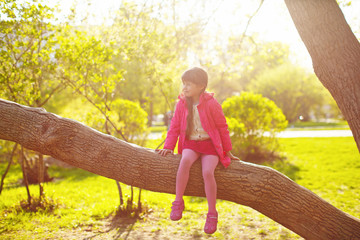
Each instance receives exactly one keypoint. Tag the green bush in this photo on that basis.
(131, 119)
(127, 116)
(253, 123)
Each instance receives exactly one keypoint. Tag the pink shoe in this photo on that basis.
(211, 223)
(177, 209)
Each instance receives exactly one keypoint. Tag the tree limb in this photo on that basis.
(258, 187)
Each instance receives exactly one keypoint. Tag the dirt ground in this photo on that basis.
(149, 228)
(125, 228)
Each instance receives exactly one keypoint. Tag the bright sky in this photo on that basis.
(272, 22)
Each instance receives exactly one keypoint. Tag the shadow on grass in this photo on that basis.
(120, 224)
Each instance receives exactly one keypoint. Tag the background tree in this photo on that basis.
(28, 44)
(294, 90)
(29, 71)
(335, 53)
(95, 81)
(149, 55)
(236, 66)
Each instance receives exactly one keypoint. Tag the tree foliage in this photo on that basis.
(86, 66)
(295, 91)
(28, 44)
(149, 53)
(28, 72)
(127, 116)
(236, 66)
(131, 118)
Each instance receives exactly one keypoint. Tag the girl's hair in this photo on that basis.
(197, 76)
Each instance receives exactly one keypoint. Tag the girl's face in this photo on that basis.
(191, 89)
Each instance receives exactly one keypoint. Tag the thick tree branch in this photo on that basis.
(258, 187)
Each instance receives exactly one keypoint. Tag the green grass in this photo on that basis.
(330, 167)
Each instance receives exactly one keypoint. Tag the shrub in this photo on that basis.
(127, 116)
(132, 118)
(253, 123)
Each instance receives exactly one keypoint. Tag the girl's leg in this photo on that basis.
(209, 163)
(187, 159)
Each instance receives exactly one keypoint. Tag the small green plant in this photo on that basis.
(38, 204)
(132, 209)
(253, 123)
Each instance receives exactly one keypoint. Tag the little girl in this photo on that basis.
(200, 125)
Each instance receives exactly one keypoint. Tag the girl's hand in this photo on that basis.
(232, 157)
(163, 152)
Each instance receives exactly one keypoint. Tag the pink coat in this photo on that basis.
(212, 120)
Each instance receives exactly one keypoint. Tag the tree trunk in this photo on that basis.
(23, 163)
(8, 167)
(120, 193)
(41, 169)
(258, 187)
(335, 53)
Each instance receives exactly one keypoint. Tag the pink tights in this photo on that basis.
(209, 163)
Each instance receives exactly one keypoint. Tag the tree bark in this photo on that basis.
(258, 187)
(335, 53)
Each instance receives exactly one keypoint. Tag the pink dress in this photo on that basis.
(201, 146)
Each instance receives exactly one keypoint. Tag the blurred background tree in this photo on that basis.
(28, 72)
(294, 90)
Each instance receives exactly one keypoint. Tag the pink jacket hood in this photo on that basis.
(212, 120)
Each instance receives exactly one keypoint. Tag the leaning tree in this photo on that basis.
(336, 55)
(258, 187)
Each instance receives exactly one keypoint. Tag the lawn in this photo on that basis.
(330, 167)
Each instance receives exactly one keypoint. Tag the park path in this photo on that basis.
(295, 134)
(315, 133)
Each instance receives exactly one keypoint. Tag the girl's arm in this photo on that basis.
(221, 125)
(174, 130)
(164, 151)
(231, 156)
(220, 122)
